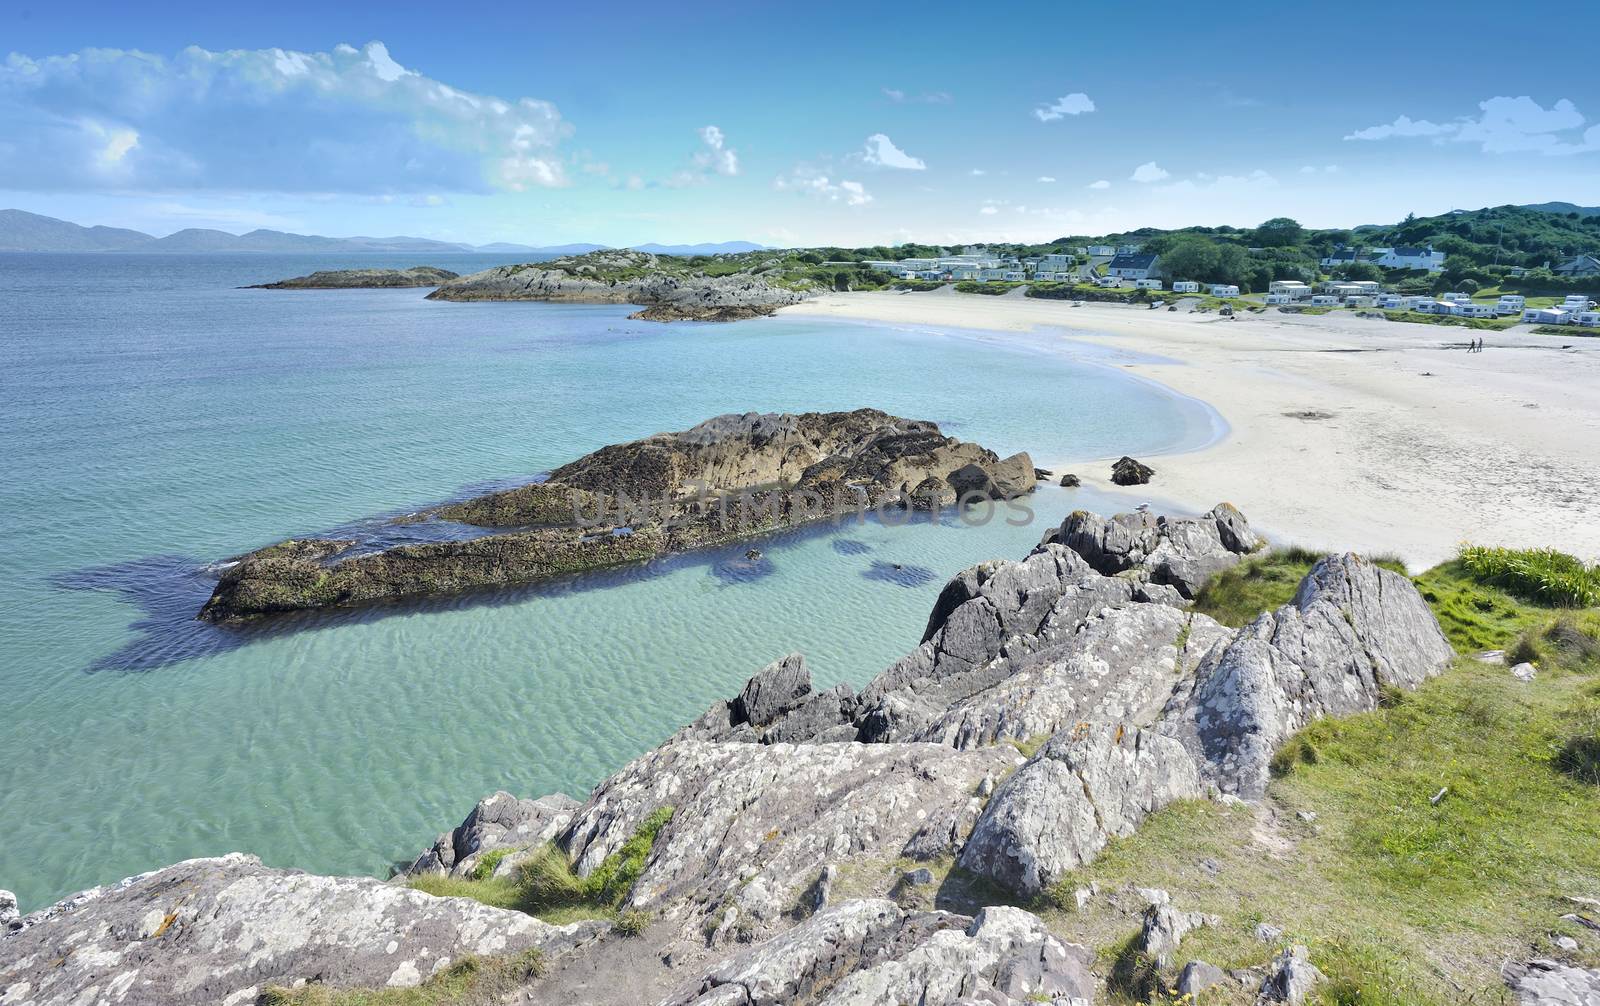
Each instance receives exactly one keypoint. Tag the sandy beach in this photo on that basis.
(1343, 432)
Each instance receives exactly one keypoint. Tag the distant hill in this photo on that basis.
(725, 248)
(31, 232)
(1582, 211)
(20, 231)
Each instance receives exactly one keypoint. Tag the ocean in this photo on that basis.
(155, 419)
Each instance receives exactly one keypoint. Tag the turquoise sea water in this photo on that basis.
(153, 419)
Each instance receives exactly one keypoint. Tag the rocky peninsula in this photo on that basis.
(727, 479)
(665, 288)
(797, 846)
(363, 279)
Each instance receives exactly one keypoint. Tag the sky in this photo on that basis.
(844, 124)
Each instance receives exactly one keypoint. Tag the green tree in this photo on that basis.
(1189, 256)
(1280, 232)
(1361, 271)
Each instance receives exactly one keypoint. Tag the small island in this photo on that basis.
(363, 279)
(666, 288)
(727, 479)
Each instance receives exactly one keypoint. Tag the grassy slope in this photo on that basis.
(1400, 900)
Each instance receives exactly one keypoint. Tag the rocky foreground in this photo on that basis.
(808, 829)
(360, 279)
(727, 479)
(628, 277)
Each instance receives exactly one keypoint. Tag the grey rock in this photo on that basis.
(777, 688)
(1543, 982)
(498, 821)
(8, 909)
(753, 825)
(1567, 943)
(865, 953)
(1291, 977)
(920, 877)
(350, 279)
(1164, 928)
(209, 931)
(1005, 479)
(1084, 787)
(1524, 671)
(1183, 554)
(1197, 976)
(1071, 481)
(1266, 932)
(1352, 629)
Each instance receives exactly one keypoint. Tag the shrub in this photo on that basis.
(1542, 575)
(632, 922)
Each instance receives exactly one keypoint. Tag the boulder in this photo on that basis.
(1197, 976)
(1071, 481)
(1000, 480)
(1291, 978)
(753, 825)
(870, 952)
(1543, 982)
(1164, 927)
(777, 688)
(1087, 785)
(499, 821)
(1181, 553)
(1128, 472)
(219, 931)
(1352, 630)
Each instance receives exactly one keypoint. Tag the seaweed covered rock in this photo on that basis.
(1128, 472)
(727, 479)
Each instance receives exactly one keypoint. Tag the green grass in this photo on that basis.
(468, 980)
(1483, 324)
(1401, 900)
(546, 886)
(1535, 574)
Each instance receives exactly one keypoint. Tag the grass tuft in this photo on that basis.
(467, 980)
(1542, 575)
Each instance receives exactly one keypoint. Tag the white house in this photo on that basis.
(1324, 300)
(1589, 318)
(1224, 290)
(1547, 315)
(1412, 258)
(1456, 298)
(1392, 301)
(1148, 284)
(1511, 303)
(1293, 289)
(1470, 310)
(1577, 302)
(1278, 298)
(1340, 256)
(1185, 286)
(1135, 266)
(1100, 251)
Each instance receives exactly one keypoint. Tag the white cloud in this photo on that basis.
(1312, 169)
(1215, 183)
(900, 97)
(1101, 184)
(1046, 179)
(718, 156)
(977, 172)
(1149, 172)
(347, 121)
(812, 181)
(882, 152)
(1403, 126)
(989, 211)
(1075, 103)
(1504, 125)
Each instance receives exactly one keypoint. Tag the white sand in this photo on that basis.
(1423, 446)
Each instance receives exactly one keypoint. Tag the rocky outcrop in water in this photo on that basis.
(1053, 704)
(1128, 472)
(665, 288)
(726, 479)
(354, 279)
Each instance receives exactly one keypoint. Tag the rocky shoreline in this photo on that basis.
(796, 837)
(628, 277)
(728, 479)
(363, 279)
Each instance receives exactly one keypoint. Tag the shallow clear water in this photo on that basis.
(154, 419)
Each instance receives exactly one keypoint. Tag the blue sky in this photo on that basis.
(847, 123)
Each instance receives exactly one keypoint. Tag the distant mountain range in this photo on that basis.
(1582, 211)
(21, 231)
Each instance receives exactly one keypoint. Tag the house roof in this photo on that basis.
(1141, 261)
(1411, 252)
